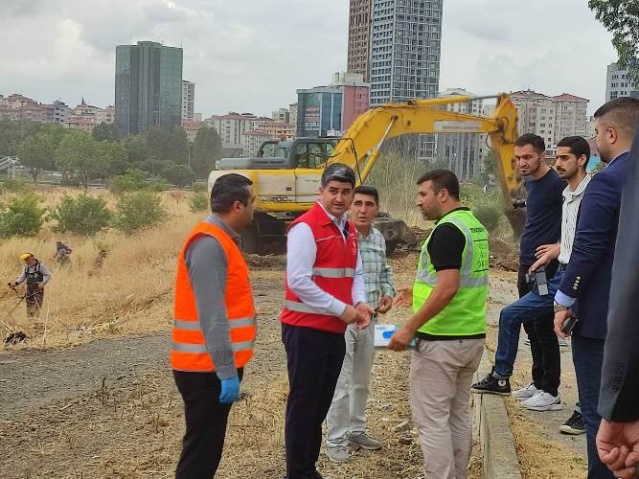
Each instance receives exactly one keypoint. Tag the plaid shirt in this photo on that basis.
(378, 276)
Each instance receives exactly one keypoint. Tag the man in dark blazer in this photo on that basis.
(585, 287)
(619, 397)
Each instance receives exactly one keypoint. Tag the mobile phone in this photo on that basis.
(569, 325)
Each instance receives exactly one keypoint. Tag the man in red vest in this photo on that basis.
(325, 292)
(214, 324)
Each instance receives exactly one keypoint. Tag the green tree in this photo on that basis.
(206, 150)
(136, 149)
(37, 152)
(12, 133)
(138, 210)
(106, 132)
(84, 215)
(178, 175)
(109, 159)
(621, 18)
(168, 144)
(76, 155)
(131, 180)
(22, 216)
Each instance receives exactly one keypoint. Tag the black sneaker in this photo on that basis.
(574, 425)
(492, 385)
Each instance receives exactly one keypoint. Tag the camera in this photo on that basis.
(537, 281)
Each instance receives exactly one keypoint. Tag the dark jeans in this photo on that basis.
(587, 356)
(526, 310)
(206, 420)
(314, 361)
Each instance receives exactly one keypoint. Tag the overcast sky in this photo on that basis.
(251, 55)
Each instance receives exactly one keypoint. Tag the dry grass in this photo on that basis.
(539, 456)
(130, 295)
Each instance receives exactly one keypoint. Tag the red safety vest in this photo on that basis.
(189, 351)
(333, 272)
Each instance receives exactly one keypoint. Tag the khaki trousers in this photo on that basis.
(441, 373)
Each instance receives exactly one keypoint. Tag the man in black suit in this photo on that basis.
(619, 399)
(585, 287)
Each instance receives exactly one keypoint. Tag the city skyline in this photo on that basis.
(242, 57)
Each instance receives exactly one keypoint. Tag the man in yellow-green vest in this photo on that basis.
(448, 323)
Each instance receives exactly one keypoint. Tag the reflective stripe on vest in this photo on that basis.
(465, 313)
(201, 348)
(466, 280)
(195, 325)
(334, 272)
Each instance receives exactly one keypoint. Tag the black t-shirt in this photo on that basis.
(446, 246)
(543, 215)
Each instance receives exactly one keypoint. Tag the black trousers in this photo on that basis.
(314, 361)
(206, 420)
(546, 367)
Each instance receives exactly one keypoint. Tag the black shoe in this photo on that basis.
(574, 425)
(492, 385)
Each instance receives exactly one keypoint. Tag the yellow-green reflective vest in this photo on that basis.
(465, 315)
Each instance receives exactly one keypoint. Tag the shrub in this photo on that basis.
(17, 185)
(198, 201)
(22, 216)
(178, 175)
(199, 187)
(82, 215)
(158, 186)
(132, 180)
(138, 210)
(488, 215)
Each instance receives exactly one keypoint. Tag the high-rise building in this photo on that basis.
(319, 110)
(282, 115)
(359, 30)
(292, 119)
(355, 95)
(570, 116)
(148, 87)
(551, 118)
(232, 128)
(332, 109)
(188, 101)
(619, 84)
(405, 50)
(462, 152)
(536, 114)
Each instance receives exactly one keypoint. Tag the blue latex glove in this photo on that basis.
(230, 390)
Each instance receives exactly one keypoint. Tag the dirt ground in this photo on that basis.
(109, 409)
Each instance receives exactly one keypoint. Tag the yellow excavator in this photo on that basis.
(286, 174)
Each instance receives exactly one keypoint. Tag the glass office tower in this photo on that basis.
(148, 87)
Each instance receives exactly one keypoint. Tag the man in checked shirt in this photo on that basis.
(346, 418)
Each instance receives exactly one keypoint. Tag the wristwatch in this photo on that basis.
(560, 307)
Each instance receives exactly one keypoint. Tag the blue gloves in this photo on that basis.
(230, 390)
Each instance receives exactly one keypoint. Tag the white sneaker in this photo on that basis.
(542, 401)
(525, 392)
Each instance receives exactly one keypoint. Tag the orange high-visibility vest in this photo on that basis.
(189, 351)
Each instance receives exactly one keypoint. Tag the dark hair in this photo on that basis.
(621, 113)
(537, 142)
(368, 191)
(338, 172)
(578, 146)
(228, 189)
(442, 179)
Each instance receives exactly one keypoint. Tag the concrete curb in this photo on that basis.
(492, 426)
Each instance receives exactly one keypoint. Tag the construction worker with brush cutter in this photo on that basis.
(36, 275)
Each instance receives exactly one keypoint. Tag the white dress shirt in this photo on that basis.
(301, 255)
